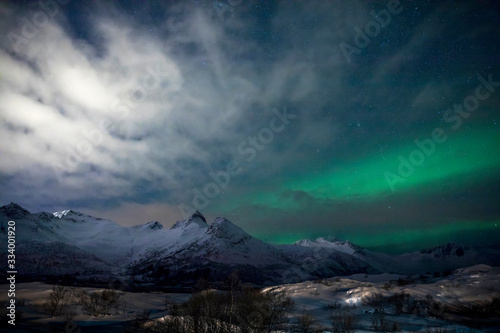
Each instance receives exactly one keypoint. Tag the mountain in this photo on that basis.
(95, 249)
(210, 251)
(14, 211)
(42, 249)
(341, 246)
(439, 259)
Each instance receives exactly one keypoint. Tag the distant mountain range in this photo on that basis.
(71, 244)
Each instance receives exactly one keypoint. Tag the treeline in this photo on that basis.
(244, 310)
(96, 303)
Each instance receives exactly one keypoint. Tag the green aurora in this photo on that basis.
(186, 88)
(398, 240)
(471, 155)
(467, 156)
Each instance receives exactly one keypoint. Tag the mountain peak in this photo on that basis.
(198, 215)
(196, 218)
(61, 213)
(222, 221)
(13, 210)
(223, 228)
(77, 217)
(332, 240)
(303, 242)
(331, 243)
(450, 249)
(154, 225)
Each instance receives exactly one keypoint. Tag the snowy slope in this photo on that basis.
(440, 259)
(192, 248)
(212, 251)
(41, 249)
(464, 287)
(341, 246)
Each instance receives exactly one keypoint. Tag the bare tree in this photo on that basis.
(305, 324)
(249, 310)
(59, 299)
(234, 283)
(277, 306)
(100, 303)
(343, 322)
(381, 324)
(193, 310)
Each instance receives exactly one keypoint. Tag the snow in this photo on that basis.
(74, 237)
(69, 242)
(467, 285)
(342, 246)
(61, 213)
(37, 292)
(309, 297)
(312, 298)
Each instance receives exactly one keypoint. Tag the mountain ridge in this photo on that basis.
(192, 248)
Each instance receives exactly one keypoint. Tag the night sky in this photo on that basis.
(372, 121)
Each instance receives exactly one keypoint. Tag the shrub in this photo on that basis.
(404, 282)
(485, 309)
(168, 325)
(138, 325)
(305, 324)
(58, 301)
(332, 306)
(403, 303)
(381, 324)
(100, 303)
(343, 322)
(247, 311)
(435, 309)
(376, 300)
(276, 307)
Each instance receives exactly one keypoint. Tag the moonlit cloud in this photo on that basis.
(130, 107)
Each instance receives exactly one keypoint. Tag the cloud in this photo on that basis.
(125, 107)
(131, 107)
(134, 213)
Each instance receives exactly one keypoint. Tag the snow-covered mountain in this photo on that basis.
(439, 259)
(342, 246)
(73, 243)
(47, 245)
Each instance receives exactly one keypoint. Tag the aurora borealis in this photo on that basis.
(462, 157)
(137, 111)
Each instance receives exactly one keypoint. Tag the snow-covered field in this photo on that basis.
(473, 285)
(33, 295)
(319, 299)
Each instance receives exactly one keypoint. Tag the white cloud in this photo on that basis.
(179, 99)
